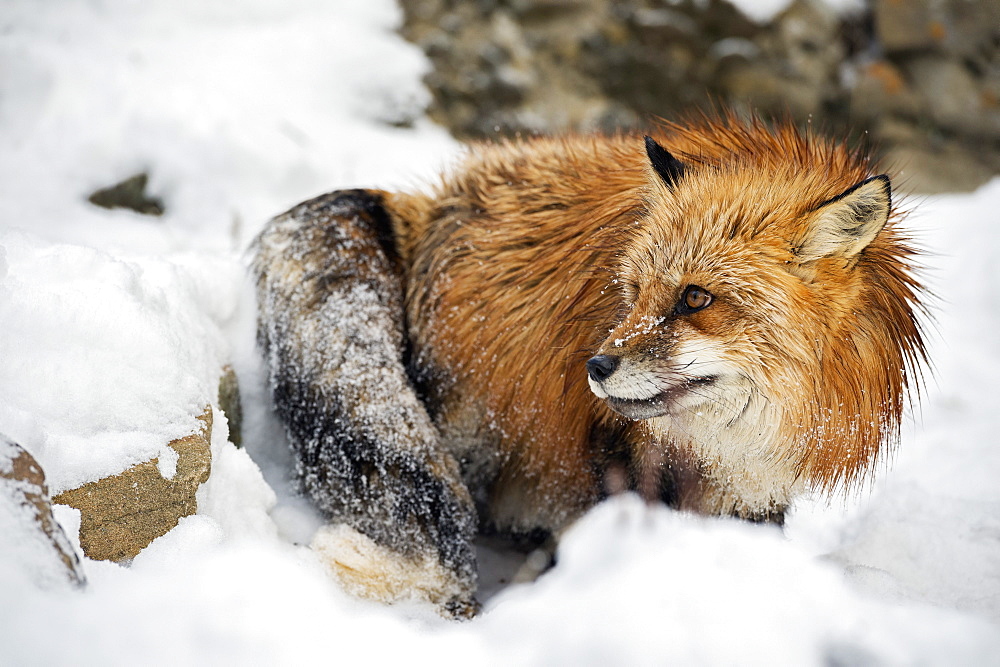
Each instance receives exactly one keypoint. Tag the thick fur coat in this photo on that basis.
(721, 317)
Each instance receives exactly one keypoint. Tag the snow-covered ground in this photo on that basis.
(113, 326)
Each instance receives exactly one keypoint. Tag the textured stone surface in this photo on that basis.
(120, 515)
(35, 542)
(512, 66)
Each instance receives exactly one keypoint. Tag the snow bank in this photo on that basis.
(103, 360)
(643, 585)
(932, 531)
(237, 110)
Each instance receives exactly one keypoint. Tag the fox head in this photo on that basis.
(766, 304)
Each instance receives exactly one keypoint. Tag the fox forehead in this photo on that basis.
(715, 208)
(750, 287)
(732, 228)
(658, 272)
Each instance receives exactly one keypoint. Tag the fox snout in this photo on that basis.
(630, 389)
(639, 387)
(600, 367)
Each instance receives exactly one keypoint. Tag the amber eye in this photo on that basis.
(694, 299)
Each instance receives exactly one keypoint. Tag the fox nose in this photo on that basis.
(601, 367)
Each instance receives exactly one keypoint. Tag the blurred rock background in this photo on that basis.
(919, 79)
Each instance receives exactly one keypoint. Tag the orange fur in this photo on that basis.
(535, 255)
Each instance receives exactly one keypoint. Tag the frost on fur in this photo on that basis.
(330, 324)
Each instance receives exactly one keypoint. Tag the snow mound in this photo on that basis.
(643, 585)
(105, 359)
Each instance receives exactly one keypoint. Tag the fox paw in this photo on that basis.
(370, 570)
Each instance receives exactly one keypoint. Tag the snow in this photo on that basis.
(113, 326)
(105, 359)
(936, 526)
(763, 12)
(29, 554)
(710, 592)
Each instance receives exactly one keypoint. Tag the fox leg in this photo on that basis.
(331, 326)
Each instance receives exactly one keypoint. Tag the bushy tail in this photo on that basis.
(331, 326)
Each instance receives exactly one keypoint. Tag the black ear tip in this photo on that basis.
(655, 151)
(886, 186)
(666, 165)
(882, 179)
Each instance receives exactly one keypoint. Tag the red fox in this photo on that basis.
(722, 316)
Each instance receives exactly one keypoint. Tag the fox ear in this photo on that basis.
(666, 165)
(845, 225)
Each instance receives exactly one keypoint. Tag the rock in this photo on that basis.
(906, 25)
(229, 403)
(953, 27)
(130, 194)
(120, 515)
(928, 162)
(794, 68)
(952, 97)
(882, 89)
(33, 541)
(946, 167)
(505, 67)
(807, 48)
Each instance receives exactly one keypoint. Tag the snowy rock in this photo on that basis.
(34, 543)
(105, 359)
(130, 194)
(230, 403)
(122, 514)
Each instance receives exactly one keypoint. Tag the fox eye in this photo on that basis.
(694, 299)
